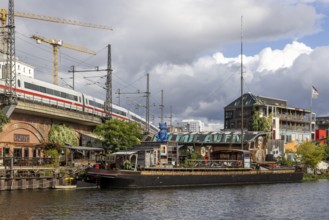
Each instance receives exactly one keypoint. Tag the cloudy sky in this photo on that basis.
(190, 48)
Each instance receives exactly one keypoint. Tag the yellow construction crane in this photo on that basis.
(3, 17)
(56, 44)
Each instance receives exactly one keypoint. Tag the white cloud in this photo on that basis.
(272, 60)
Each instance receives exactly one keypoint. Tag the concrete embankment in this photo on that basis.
(29, 183)
(37, 177)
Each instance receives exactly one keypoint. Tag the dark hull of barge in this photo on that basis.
(158, 178)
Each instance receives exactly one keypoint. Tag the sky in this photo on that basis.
(191, 50)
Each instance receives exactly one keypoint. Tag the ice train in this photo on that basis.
(28, 88)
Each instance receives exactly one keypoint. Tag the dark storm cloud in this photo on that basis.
(176, 42)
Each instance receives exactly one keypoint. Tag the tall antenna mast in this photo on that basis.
(241, 82)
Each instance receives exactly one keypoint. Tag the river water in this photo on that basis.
(308, 200)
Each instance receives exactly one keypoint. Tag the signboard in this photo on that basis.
(163, 150)
(246, 160)
(21, 138)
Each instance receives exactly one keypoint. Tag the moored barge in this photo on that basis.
(175, 177)
(169, 164)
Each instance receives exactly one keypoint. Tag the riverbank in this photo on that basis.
(314, 177)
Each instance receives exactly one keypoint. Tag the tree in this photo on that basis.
(259, 123)
(119, 135)
(326, 152)
(311, 154)
(61, 135)
(3, 120)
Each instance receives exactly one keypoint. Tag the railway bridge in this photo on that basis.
(26, 134)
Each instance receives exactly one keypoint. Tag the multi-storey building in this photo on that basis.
(193, 125)
(21, 69)
(289, 124)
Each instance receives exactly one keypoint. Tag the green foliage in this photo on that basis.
(3, 120)
(53, 153)
(259, 123)
(284, 162)
(326, 152)
(311, 154)
(119, 135)
(61, 135)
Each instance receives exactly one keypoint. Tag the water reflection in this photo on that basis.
(278, 201)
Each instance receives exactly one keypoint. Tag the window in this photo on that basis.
(19, 83)
(6, 151)
(49, 91)
(57, 93)
(17, 152)
(228, 115)
(26, 152)
(42, 89)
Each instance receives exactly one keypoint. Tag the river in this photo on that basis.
(308, 200)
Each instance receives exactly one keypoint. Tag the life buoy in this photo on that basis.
(203, 151)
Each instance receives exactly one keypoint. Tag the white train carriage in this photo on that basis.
(93, 106)
(38, 91)
(34, 90)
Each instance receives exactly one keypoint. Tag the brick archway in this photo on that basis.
(22, 132)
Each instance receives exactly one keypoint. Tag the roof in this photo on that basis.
(250, 99)
(125, 152)
(83, 148)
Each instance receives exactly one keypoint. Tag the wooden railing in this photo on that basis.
(29, 161)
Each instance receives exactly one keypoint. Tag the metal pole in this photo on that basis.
(241, 84)
(73, 77)
(119, 97)
(170, 119)
(161, 107)
(11, 167)
(11, 56)
(148, 104)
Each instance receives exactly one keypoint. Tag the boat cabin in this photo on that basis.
(172, 155)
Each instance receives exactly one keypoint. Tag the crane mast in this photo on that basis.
(56, 44)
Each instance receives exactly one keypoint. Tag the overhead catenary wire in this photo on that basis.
(43, 66)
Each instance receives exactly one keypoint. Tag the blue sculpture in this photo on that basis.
(162, 134)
